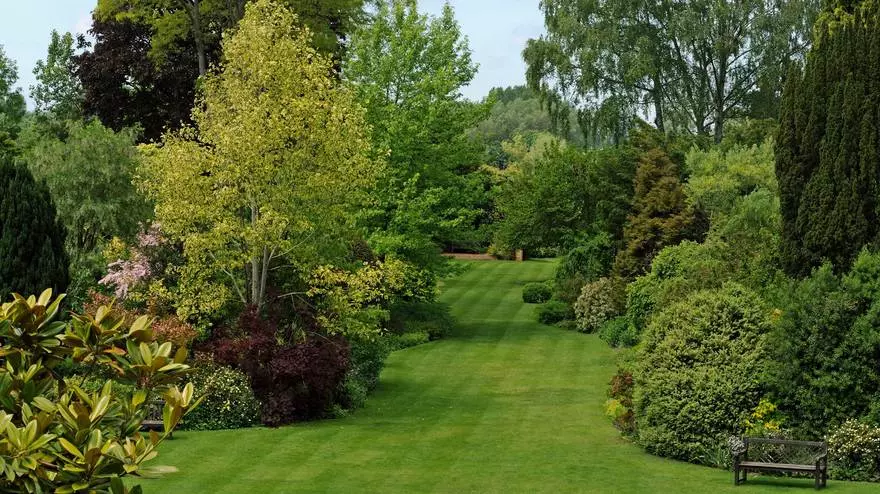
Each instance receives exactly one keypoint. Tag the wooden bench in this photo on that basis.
(153, 421)
(780, 455)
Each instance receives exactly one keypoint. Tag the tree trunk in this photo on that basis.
(657, 96)
(195, 17)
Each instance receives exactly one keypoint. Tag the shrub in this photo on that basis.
(432, 318)
(854, 452)
(826, 348)
(619, 332)
(619, 406)
(536, 293)
(294, 379)
(599, 302)
(229, 402)
(698, 372)
(583, 264)
(58, 437)
(407, 340)
(554, 311)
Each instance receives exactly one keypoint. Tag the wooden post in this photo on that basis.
(520, 255)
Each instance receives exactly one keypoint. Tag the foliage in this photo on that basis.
(563, 194)
(272, 171)
(765, 420)
(12, 106)
(58, 437)
(826, 347)
(367, 361)
(553, 312)
(227, 403)
(32, 252)
(660, 214)
(583, 264)
(295, 378)
(619, 332)
(408, 70)
(620, 403)
(58, 92)
(854, 452)
(692, 64)
(357, 303)
(517, 112)
(718, 179)
(699, 371)
(432, 319)
(536, 293)
(89, 174)
(124, 88)
(827, 151)
(599, 302)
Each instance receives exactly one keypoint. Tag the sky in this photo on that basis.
(497, 31)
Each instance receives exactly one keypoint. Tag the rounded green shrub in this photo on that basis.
(599, 302)
(229, 401)
(619, 332)
(536, 293)
(698, 372)
(554, 311)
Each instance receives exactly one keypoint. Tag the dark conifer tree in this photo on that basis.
(827, 159)
(32, 256)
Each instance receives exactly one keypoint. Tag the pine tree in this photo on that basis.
(32, 256)
(827, 156)
(660, 214)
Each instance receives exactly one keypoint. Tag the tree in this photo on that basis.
(58, 92)
(200, 23)
(273, 167)
(692, 64)
(32, 254)
(828, 153)
(12, 105)
(89, 175)
(660, 214)
(124, 88)
(409, 70)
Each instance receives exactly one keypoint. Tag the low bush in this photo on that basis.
(619, 332)
(554, 311)
(407, 340)
(294, 378)
(698, 372)
(854, 452)
(599, 302)
(619, 407)
(536, 293)
(583, 264)
(229, 402)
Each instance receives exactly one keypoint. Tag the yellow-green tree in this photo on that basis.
(270, 171)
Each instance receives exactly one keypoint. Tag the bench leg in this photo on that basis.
(818, 479)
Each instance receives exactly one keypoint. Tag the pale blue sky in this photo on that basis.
(497, 29)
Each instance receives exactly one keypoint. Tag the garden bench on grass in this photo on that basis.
(153, 421)
(780, 455)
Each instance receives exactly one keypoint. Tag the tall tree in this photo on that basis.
(691, 64)
(12, 106)
(273, 168)
(123, 86)
(32, 256)
(828, 150)
(409, 70)
(200, 23)
(58, 92)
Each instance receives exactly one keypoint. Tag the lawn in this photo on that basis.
(503, 405)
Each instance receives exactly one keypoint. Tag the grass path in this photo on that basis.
(504, 405)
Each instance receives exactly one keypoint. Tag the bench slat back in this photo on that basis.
(783, 450)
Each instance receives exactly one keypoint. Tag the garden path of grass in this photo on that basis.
(503, 405)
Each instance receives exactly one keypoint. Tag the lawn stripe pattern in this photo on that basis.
(503, 405)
